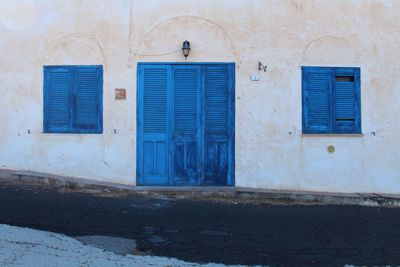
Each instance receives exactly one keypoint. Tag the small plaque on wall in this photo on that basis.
(120, 94)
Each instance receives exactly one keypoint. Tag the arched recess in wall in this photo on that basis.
(330, 51)
(74, 49)
(209, 41)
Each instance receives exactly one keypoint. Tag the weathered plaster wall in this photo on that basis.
(271, 152)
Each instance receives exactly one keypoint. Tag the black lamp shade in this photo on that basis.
(186, 48)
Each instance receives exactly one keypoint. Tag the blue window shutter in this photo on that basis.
(186, 89)
(88, 99)
(58, 96)
(346, 100)
(316, 97)
(186, 124)
(217, 86)
(153, 155)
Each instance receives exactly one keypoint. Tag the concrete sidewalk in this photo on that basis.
(222, 193)
(34, 248)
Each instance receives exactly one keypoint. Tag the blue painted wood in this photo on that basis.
(195, 124)
(153, 128)
(331, 100)
(186, 124)
(231, 124)
(57, 91)
(88, 115)
(217, 137)
(73, 99)
(317, 110)
(347, 100)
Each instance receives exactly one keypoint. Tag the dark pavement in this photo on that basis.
(209, 231)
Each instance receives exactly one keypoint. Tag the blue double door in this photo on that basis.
(185, 124)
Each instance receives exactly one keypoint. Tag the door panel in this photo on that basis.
(186, 121)
(186, 163)
(153, 107)
(216, 124)
(216, 166)
(154, 158)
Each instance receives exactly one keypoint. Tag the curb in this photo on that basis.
(226, 194)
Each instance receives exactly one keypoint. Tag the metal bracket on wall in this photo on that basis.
(262, 67)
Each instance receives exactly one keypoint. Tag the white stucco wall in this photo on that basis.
(270, 151)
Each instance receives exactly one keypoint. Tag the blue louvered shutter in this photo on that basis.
(346, 100)
(317, 108)
(88, 99)
(153, 117)
(58, 96)
(186, 124)
(217, 86)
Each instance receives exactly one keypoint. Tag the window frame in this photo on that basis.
(334, 72)
(73, 128)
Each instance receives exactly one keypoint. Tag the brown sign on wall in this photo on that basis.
(120, 94)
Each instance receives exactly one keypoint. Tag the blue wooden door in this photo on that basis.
(153, 135)
(185, 124)
(218, 126)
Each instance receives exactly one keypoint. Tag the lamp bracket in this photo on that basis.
(262, 67)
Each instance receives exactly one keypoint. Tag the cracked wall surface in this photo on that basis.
(270, 150)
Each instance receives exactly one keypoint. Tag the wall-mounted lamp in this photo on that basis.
(186, 48)
(262, 67)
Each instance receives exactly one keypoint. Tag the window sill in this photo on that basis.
(69, 133)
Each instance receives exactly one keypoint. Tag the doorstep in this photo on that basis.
(186, 188)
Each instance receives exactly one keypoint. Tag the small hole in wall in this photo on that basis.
(331, 149)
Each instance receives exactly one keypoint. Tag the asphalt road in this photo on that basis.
(205, 231)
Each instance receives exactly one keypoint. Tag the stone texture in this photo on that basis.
(28, 247)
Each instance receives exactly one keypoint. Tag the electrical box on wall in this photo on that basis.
(255, 77)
